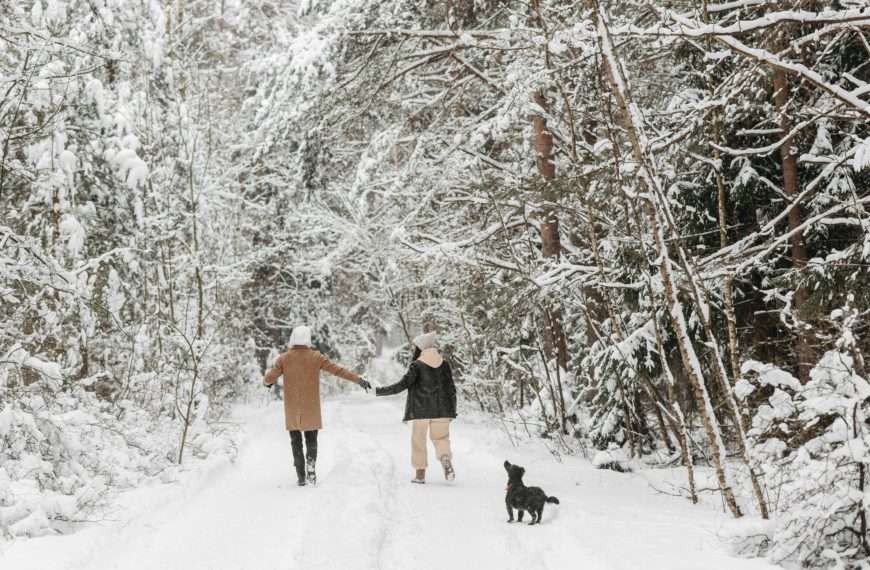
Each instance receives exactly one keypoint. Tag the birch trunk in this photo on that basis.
(703, 312)
(728, 284)
(655, 214)
(683, 439)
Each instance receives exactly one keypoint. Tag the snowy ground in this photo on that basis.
(364, 513)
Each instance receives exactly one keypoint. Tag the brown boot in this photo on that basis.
(419, 476)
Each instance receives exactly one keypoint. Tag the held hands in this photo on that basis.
(365, 384)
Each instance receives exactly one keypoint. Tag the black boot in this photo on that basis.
(311, 475)
(311, 456)
(298, 457)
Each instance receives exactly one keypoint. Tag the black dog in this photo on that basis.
(524, 498)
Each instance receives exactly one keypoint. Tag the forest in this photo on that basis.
(640, 228)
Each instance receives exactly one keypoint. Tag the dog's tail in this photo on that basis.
(553, 500)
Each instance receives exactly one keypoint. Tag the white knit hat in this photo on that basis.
(301, 336)
(426, 340)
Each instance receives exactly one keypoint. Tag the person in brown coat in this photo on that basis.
(300, 367)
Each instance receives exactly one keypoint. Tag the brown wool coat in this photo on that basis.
(301, 368)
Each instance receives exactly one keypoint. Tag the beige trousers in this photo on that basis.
(439, 432)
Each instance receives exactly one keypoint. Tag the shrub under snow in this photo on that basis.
(62, 453)
(814, 443)
(614, 459)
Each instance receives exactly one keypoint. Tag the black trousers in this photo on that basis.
(310, 454)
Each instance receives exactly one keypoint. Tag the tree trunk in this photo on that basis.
(728, 284)
(803, 351)
(648, 178)
(685, 450)
(663, 428)
(551, 247)
(200, 293)
(179, 14)
(726, 382)
(683, 438)
(460, 14)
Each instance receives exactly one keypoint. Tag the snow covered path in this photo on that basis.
(364, 513)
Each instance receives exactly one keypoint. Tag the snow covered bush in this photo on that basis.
(64, 449)
(815, 445)
(613, 459)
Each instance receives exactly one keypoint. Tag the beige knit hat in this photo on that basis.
(426, 340)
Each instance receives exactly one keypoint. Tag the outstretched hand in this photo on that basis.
(365, 384)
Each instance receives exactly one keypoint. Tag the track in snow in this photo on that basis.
(365, 514)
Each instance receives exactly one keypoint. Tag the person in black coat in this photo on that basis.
(430, 405)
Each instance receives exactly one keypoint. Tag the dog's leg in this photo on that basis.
(532, 514)
(540, 514)
(510, 511)
(520, 515)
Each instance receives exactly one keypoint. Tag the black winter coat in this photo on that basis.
(431, 391)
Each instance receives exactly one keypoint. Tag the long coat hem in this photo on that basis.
(300, 367)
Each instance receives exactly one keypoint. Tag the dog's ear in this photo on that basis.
(507, 465)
